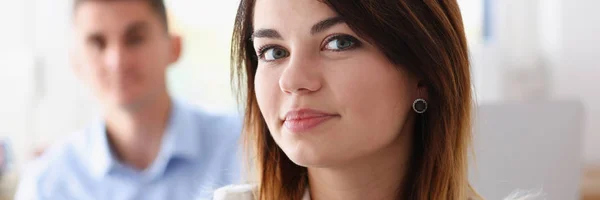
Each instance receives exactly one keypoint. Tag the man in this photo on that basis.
(146, 146)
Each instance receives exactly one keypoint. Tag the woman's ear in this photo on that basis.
(422, 90)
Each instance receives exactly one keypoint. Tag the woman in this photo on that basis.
(362, 99)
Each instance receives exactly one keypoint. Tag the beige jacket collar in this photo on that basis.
(243, 192)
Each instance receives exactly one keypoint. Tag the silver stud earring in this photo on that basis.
(420, 106)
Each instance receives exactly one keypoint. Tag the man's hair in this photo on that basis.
(158, 7)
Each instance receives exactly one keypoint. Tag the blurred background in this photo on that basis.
(536, 72)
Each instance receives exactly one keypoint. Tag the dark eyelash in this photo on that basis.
(261, 51)
(356, 42)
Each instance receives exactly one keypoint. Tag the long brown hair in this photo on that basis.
(425, 37)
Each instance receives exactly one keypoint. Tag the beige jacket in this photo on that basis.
(242, 192)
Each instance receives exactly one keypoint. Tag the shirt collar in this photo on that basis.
(181, 140)
(100, 156)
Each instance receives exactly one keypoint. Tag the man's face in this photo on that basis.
(122, 50)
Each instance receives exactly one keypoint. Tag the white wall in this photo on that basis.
(578, 72)
(16, 67)
(60, 108)
(563, 35)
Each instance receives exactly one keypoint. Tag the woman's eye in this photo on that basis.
(273, 53)
(340, 43)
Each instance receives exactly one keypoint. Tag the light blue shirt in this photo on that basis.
(199, 153)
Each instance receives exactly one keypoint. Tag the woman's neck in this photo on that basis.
(377, 176)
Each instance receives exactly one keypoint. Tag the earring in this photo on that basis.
(420, 106)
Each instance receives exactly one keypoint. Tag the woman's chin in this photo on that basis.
(308, 162)
(307, 159)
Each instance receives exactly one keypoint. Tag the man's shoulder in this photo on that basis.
(63, 154)
(220, 131)
(56, 164)
(222, 123)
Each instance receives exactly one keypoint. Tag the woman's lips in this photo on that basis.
(303, 120)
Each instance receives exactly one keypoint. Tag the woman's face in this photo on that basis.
(328, 96)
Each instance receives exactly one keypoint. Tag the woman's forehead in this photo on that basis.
(290, 14)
